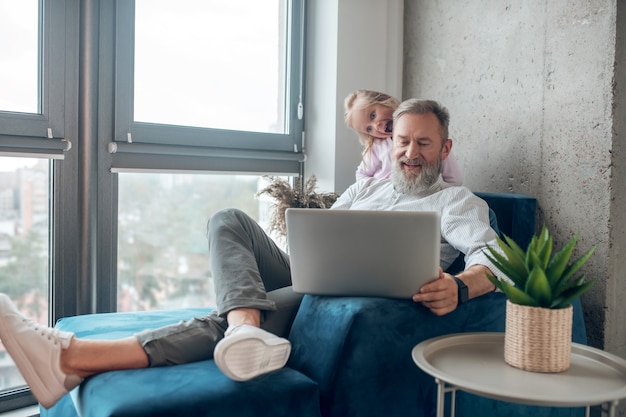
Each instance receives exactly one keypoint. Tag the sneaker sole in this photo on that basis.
(248, 358)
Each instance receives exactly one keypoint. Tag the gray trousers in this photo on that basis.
(249, 271)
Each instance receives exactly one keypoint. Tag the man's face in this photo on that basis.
(418, 150)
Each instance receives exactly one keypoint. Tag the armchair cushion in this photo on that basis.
(195, 389)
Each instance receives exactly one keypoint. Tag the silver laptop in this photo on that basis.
(362, 253)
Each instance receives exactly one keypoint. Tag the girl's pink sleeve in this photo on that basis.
(370, 165)
(451, 171)
(364, 171)
(377, 162)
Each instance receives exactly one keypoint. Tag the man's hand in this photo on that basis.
(440, 296)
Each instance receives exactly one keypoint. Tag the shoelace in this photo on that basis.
(50, 333)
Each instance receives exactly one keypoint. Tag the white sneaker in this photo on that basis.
(36, 351)
(246, 352)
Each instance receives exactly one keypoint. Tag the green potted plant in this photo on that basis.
(538, 334)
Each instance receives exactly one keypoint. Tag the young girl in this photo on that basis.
(370, 115)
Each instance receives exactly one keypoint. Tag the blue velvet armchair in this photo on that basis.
(351, 356)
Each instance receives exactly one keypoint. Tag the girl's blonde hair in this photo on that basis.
(369, 97)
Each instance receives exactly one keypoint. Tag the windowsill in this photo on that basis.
(31, 411)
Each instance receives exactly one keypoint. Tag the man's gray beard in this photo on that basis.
(419, 183)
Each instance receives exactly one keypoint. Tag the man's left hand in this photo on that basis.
(440, 296)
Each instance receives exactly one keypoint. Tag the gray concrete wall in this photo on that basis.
(615, 337)
(535, 91)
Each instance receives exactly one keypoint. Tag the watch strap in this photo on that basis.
(463, 294)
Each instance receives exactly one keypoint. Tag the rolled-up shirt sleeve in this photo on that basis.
(466, 227)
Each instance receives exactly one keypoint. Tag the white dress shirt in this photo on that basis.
(465, 224)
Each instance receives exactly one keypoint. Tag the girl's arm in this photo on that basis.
(370, 164)
(451, 171)
(362, 172)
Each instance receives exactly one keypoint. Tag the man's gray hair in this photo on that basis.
(421, 106)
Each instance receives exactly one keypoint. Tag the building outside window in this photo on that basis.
(162, 247)
(24, 245)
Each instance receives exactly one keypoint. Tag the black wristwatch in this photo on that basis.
(463, 291)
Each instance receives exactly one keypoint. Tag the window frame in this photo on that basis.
(43, 134)
(150, 146)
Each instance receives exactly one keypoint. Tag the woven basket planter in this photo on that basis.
(538, 339)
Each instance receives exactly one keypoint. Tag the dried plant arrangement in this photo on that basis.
(299, 196)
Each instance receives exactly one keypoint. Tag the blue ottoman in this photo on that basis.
(195, 389)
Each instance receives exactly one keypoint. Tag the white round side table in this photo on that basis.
(474, 362)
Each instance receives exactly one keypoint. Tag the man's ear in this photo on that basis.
(447, 147)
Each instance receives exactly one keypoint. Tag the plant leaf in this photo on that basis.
(511, 258)
(514, 255)
(517, 296)
(566, 285)
(538, 287)
(567, 296)
(533, 261)
(495, 281)
(559, 262)
(545, 251)
(515, 247)
(532, 246)
(501, 262)
(575, 266)
(538, 241)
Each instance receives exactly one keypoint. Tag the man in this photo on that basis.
(420, 144)
(255, 304)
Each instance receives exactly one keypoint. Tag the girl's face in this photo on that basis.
(375, 120)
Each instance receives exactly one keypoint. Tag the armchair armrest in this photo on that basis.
(358, 350)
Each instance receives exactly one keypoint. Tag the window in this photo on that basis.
(24, 246)
(89, 216)
(19, 78)
(32, 79)
(162, 247)
(219, 90)
(218, 65)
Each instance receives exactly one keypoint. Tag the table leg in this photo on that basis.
(442, 389)
(608, 408)
(441, 397)
(452, 402)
